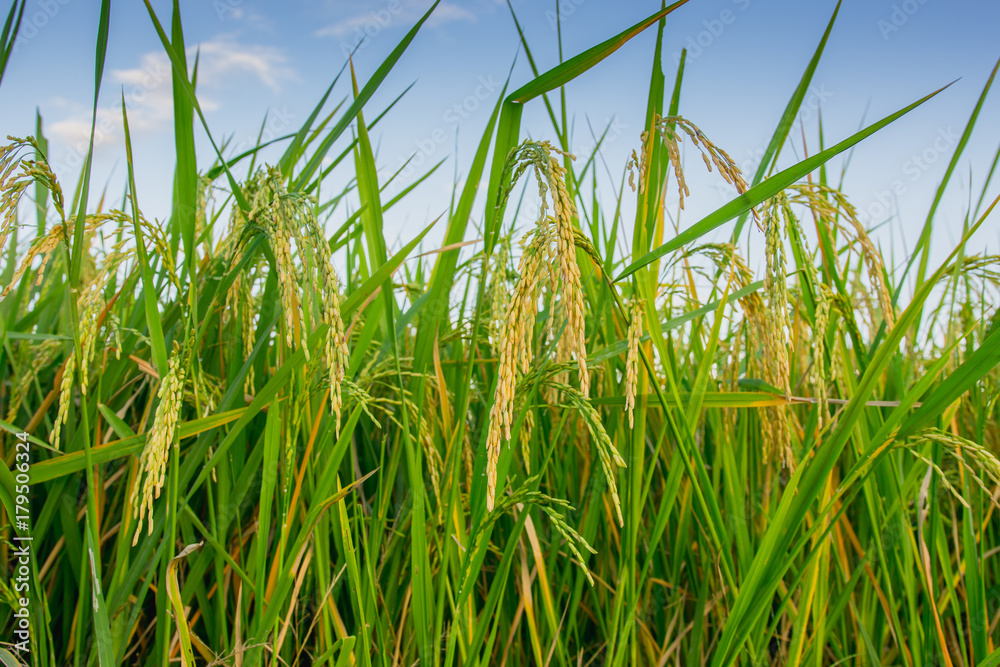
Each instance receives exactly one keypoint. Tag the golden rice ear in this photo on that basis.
(552, 252)
(526, 430)
(65, 396)
(336, 354)
(834, 208)
(16, 174)
(669, 128)
(632, 359)
(515, 354)
(607, 454)
(43, 247)
(90, 308)
(163, 436)
(775, 331)
(544, 160)
(289, 221)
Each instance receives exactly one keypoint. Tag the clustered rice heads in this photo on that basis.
(13, 183)
(336, 355)
(92, 310)
(551, 247)
(560, 246)
(515, 351)
(277, 214)
(776, 327)
(43, 246)
(92, 299)
(91, 302)
(632, 358)
(239, 304)
(162, 437)
(834, 209)
(289, 221)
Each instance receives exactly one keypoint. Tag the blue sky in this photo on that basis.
(745, 57)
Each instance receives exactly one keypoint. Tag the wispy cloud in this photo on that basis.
(223, 63)
(392, 12)
(224, 58)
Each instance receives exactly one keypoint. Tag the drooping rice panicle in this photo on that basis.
(161, 439)
(665, 127)
(336, 355)
(515, 353)
(608, 455)
(560, 245)
(632, 359)
(42, 246)
(835, 208)
(776, 327)
(527, 430)
(289, 222)
(274, 214)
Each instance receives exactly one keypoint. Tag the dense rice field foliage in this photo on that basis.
(259, 435)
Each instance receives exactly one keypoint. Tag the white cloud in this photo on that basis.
(223, 58)
(392, 12)
(447, 12)
(223, 63)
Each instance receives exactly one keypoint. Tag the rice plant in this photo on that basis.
(255, 433)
